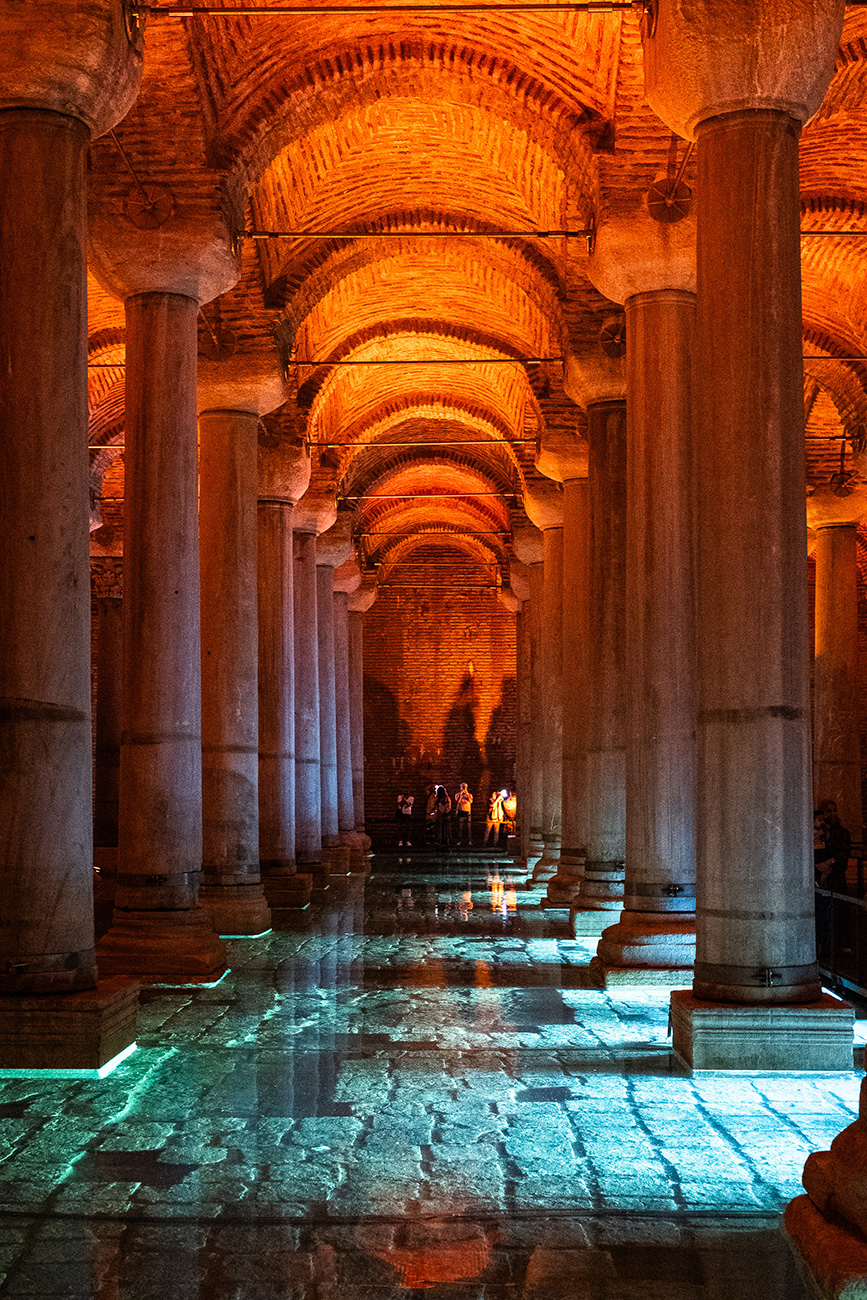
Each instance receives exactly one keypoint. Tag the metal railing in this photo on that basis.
(841, 930)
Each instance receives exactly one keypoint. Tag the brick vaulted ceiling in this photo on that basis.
(397, 128)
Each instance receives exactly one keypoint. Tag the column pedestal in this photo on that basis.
(75, 1032)
(810, 1036)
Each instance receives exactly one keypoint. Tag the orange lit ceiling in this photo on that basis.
(409, 127)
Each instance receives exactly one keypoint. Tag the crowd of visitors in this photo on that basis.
(448, 820)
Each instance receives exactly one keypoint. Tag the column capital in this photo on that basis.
(637, 254)
(543, 502)
(510, 600)
(519, 579)
(704, 58)
(527, 544)
(284, 472)
(827, 510)
(191, 254)
(334, 544)
(348, 576)
(363, 597)
(79, 59)
(246, 381)
(562, 456)
(592, 376)
(316, 511)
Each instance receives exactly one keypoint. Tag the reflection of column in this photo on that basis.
(333, 548)
(314, 513)
(231, 886)
(604, 813)
(359, 602)
(284, 473)
(836, 721)
(529, 550)
(752, 73)
(543, 502)
(651, 268)
(46, 868)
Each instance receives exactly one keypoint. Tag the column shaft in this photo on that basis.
(564, 887)
(108, 730)
(755, 888)
(46, 863)
(356, 712)
(524, 719)
(533, 807)
(159, 931)
(231, 886)
(308, 790)
(837, 740)
(604, 806)
(657, 927)
(552, 702)
(345, 806)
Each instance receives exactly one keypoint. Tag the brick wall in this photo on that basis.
(439, 694)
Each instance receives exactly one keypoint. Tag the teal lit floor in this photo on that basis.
(400, 1094)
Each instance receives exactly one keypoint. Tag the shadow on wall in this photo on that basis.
(499, 742)
(462, 753)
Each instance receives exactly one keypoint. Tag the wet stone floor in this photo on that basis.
(413, 1088)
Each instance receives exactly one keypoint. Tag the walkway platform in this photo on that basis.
(418, 1090)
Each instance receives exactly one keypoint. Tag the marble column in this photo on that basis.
(529, 550)
(519, 580)
(160, 932)
(333, 548)
(359, 603)
(754, 74)
(107, 731)
(836, 704)
(650, 267)
(347, 580)
(563, 457)
(315, 513)
(543, 501)
(284, 474)
(603, 816)
(231, 888)
(58, 92)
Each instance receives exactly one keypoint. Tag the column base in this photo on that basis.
(163, 947)
(644, 977)
(359, 851)
(591, 924)
(338, 859)
(564, 890)
(665, 940)
(69, 1031)
(236, 909)
(813, 1036)
(832, 1253)
(288, 892)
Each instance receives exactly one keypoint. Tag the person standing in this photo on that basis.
(403, 815)
(464, 806)
(443, 818)
(495, 818)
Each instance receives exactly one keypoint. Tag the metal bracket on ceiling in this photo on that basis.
(148, 207)
(591, 238)
(134, 18)
(649, 17)
(612, 337)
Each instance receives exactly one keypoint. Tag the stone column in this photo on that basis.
(315, 513)
(360, 602)
(284, 474)
(107, 586)
(519, 579)
(160, 932)
(740, 81)
(333, 548)
(67, 77)
(543, 502)
(603, 815)
(836, 712)
(231, 885)
(529, 550)
(347, 580)
(233, 392)
(650, 267)
(564, 458)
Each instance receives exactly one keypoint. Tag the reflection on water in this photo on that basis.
(417, 1087)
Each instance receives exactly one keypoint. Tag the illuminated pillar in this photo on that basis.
(754, 73)
(347, 581)
(528, 547)
(333, 548)
(519, 578)
(60, 88)
(359, 603)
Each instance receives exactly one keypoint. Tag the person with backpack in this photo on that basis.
(464, 805)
